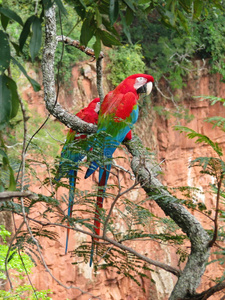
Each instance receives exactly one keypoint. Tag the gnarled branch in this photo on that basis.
(48, 58)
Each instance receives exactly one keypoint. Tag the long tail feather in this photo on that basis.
(99, 205)
(72, 182)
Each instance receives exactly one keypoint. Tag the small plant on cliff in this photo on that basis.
(124, 61)
(18, 265)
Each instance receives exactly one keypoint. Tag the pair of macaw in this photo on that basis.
(118, 113)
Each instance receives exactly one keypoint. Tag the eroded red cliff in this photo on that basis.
(174, 152)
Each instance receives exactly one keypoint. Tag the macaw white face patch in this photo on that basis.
(97, 107)
(139, 82)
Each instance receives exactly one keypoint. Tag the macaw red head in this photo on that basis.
(139, 83)
(94, 105)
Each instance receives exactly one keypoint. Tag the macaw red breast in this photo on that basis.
(119, 104)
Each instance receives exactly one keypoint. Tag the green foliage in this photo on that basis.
(121, 261)
(124, 61)
(216, 121)
(9, 100)
(25, 291)
(17, 274)
(7, 179)
(168, 52)
(210, 39)
(201, 138)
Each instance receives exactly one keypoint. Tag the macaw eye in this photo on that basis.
(140, 79)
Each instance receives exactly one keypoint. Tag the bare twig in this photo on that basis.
(76, 44)
(219, 183)
(8, 252)
(132, 177)
(120, 194)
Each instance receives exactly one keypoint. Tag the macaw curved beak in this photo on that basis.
(145, 89)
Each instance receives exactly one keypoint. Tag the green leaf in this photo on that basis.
(212, 99)
(36, 86)
(125, 28)
(80, 8)
(5, 100)
(183, 21)
(198, 5)
(170, 18)
(129, 4)
(11, 15)
(26, 31)
(87, 31)
(97, 47)
(35, 42)
(113, 11)
(129, 16)
(107, 38)
(4, 21)
(110, 28)
(3, 153)
(12, 181)
(47, 4)
(4, 51)
(98, 17)
(14, 97)
(61, 7)
(16, 47)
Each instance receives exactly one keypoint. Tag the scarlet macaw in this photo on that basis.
(118, 113)
(88, 114)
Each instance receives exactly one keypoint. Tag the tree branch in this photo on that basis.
(208, 293)
(99, 78)
(8, 195)
(76, 44)
(52, 106)
(115, 243)
(195, 267)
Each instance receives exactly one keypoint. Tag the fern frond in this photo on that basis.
(201, 138)
(212, 99)
(217, 122)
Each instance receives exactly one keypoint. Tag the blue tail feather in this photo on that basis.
(72, 183)
(93, 167)
(92, 253)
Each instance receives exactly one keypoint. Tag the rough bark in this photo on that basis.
(195, 267)
(5, 196)
(144, 170)
(50, 96)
